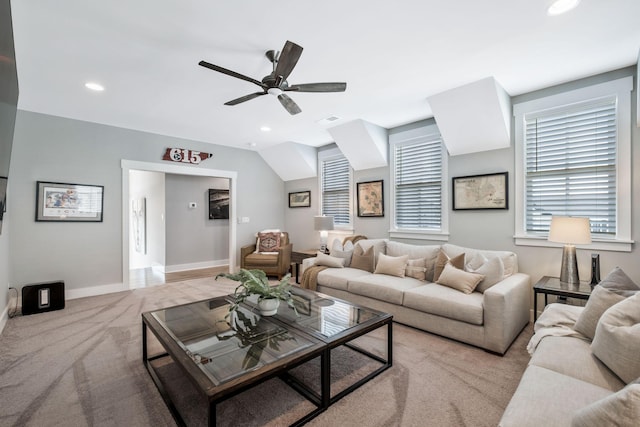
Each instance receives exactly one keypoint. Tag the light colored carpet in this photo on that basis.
(82, 366)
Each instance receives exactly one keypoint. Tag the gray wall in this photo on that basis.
(488, 229)
(51, 148)
(8, 103)
(191, 236)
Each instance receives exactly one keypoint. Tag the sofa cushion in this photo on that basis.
(446, 302)
(363, 260)
(338, 278)
(392, 266)
(547, 398)
(382, 287)
(458, 279)
(509, 259)
(491, 268)
(443, 259)
(428, 252)
(573, 357)
(599, 301)
(416, 269)
(329, 261)
(617, 339)
(259, 259)
(621, 409)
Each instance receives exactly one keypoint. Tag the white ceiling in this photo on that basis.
(393, 56)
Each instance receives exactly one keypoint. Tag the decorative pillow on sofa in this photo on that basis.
(416, 269)
(340, 251)
(619, 409)
(599, 301)
(492, 269)
(618, 282)
(617, 339)
(268, 241)
(362, 260)
(443, 259)
(392, 266)
(459, 279)
(328, 260)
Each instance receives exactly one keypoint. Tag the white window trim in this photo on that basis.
(335, 153)
(621, 88)
(403, 233)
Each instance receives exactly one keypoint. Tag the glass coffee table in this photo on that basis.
(223, 356)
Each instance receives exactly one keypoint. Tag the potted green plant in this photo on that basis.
(255, 282)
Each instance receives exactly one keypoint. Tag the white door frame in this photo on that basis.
(128, 165)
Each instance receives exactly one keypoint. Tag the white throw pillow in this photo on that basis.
(621, 409)
(416, 269)
(329, 261)
(340, 251)
(492, 269)
(392, 266)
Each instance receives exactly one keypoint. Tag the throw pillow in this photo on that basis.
(363, 260)
(443, 259)
(392, 266)
(492, 269)
(342, 251)
(328, 260)
(617, 339)
(269, 241)
(459, 279)
(599, 301)
(619, 409)
(416, 269)
(619, 282)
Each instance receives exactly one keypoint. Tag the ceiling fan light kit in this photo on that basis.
(276, 82)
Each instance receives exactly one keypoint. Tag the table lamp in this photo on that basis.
(571, 231)
(323, 224)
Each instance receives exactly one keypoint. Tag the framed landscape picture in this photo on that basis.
(490, 191)
(57, 201)
(300, 199)
(370, 199)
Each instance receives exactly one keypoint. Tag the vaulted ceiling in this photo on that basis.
(393, 56)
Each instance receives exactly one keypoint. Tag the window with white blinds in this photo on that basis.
(335, 188)
(571, 166)
(417, 174)
(573, 158)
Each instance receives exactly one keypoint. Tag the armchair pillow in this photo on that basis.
(268, 241)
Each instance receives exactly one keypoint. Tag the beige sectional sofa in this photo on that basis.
(490, 317)
(578, 380)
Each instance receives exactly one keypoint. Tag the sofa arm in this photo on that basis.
(306, 263)
(284, 257)
(244, 251)
(506, 311)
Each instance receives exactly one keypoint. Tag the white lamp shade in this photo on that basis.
(322, 223)
(570, 230)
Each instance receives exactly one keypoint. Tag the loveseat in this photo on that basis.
(489, 314)
(585, 365)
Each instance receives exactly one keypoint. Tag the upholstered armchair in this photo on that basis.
(271, 253)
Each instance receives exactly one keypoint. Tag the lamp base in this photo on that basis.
(569, 268)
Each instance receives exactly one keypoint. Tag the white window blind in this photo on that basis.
(418, 184)
(335, 189)
(570, 167)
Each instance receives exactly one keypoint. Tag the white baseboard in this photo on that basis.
(94, 290)
(195, 265)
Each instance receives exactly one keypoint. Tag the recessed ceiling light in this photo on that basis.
(94, 86)
(265, 128)
(559, 7)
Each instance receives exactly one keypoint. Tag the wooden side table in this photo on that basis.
(298, 256)
(553, 286)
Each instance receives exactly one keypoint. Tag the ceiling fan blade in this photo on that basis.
(318, 87)
(230, 73)
(288, 59)
(288, 104)
(245, 98)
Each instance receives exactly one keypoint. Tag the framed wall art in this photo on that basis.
(57, 201)
(370, 199)
(218, 204)
(300, 199)
(490, 191)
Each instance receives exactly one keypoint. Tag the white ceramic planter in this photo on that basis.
(268, 307)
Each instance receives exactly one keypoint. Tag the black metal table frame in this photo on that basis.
(322, 401)
(568, 293)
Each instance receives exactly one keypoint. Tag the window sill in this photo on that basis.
(419, 235)
(601, 245)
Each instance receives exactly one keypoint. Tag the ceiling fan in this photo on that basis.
(276, 82)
